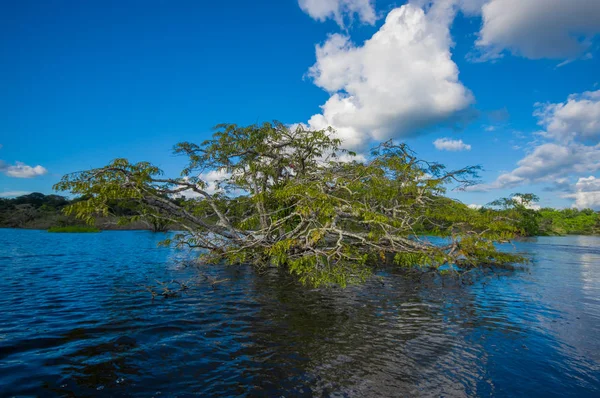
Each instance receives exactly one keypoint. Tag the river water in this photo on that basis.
(78, 318)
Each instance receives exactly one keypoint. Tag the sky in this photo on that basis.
(510, 85)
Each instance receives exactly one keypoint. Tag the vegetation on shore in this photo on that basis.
(74, 229)
(568, 222)
(39, 211)
(534, 221)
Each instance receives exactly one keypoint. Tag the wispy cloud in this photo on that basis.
(12, 194)
(340, 10)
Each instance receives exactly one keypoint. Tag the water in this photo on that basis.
(77, 318)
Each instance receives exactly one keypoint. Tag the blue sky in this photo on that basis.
(513, 90)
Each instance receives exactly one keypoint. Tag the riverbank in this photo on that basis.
(103, 224)
(111, 225)
(39, 211)
(42, 212)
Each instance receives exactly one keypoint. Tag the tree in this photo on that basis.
(128, 210)
(31, 210)
(296, 199)
(520, 208)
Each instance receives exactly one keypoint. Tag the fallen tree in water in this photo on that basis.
(296, 199)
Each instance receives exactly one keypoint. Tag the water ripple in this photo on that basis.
(78, 318)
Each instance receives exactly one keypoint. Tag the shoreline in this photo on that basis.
(135, 228)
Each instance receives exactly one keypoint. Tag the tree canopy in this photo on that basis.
(294, 198)
(520, 207)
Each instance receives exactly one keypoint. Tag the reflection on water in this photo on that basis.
(77, 319)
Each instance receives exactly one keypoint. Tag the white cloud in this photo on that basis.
(339, 10)
(396, 84)
(21, 170)
(538, 28)
(532, 206)
(447, 144)
(576, 119)
(572, 129)
(587, 193)
(13, 194)
(474, 206)
(448, 8)
(471, 7)
(211, 178)
(549, 162)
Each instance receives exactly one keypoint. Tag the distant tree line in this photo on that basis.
(35, 210)
(39, 211)
(533, 221)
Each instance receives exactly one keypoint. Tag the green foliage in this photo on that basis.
(39, 211)
(32, 210)
(520, 209)
(287, 199)
(569, 222)
(73, 229)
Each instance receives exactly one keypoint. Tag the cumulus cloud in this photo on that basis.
(537, 29)
(339, 10)
(576, 119)
(21, 170)
(398, 83)
(447, 144)
(587, 193)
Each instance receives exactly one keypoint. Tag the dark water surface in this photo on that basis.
(77, 319)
